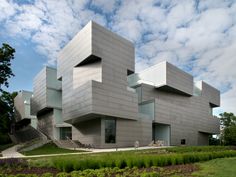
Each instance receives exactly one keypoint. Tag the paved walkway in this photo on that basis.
(11, 152)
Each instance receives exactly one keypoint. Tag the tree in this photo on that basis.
(229, 136)
(6, 55)
(6, 99)
(6, 115)
(228, 121)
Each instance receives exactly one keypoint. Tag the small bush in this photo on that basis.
(62, 174)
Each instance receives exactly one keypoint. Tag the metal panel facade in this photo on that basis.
(93, 68)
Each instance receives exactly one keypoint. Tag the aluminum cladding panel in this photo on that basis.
(79, 48)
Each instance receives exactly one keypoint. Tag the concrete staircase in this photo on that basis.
(70, 144)
(28, 138)
(66, 144)
(26, 134)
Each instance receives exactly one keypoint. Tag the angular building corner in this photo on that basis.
(95, 97)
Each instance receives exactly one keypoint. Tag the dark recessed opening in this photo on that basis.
(44, 111)
(129, 72)
(89, 59)
(183, 142)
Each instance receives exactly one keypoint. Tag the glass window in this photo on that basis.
(110, 131)
(147, 108)
(139, 92)
(65, 133)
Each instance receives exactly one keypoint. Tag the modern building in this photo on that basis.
(25, 125)
(95, 97)
(22, 108)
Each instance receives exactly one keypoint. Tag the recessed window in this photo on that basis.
(110, 131)
(183, 141)
(210, 110)
(65, 133)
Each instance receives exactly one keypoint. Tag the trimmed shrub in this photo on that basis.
(140, 161)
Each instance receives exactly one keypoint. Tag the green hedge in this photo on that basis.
(131, 160)
(184, 149)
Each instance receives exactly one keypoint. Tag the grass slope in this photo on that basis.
(49, 148)
(225, 167)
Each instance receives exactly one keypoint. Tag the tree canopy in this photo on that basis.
(228, 121)
(6, 55)
(6, 99)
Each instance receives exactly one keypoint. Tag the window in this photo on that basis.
(148, 108)
(139, 92)
(183, 141)
(110, 131)
(65, 132)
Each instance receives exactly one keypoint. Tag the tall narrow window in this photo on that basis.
(110, 131)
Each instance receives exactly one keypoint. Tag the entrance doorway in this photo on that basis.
(161, 133)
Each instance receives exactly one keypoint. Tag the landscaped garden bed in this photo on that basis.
(178, 161)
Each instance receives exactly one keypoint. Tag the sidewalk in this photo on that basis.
(11, 152)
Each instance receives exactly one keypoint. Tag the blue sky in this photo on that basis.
(197, 36)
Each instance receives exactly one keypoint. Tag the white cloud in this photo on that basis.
(105, 6)
(200, 35)
(7, 9)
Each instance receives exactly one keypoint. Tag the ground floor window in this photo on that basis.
(183, 141)
(110, 131)
(65, 132)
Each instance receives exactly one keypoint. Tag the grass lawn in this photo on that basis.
(225, 167)
(49, 148)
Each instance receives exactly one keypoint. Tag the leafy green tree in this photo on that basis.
(6, 55)
(229, 136)
(227, 119)
(6, 115)
(6, 99)
(214, 140)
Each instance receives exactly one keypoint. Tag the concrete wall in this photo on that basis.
(22, 105)
(100, 88)
(180, 111)
(166, 76)
(92, 69)
(178, 79)
(127, 132)
(212, 94)
(88, 132)
(203, 139)
(85, 73)
(46, 124)
(38, 101)
(46, 91)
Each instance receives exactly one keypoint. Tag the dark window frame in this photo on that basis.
(110, 131)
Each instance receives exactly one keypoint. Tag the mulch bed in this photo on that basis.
(184, 170)
(31, 170)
